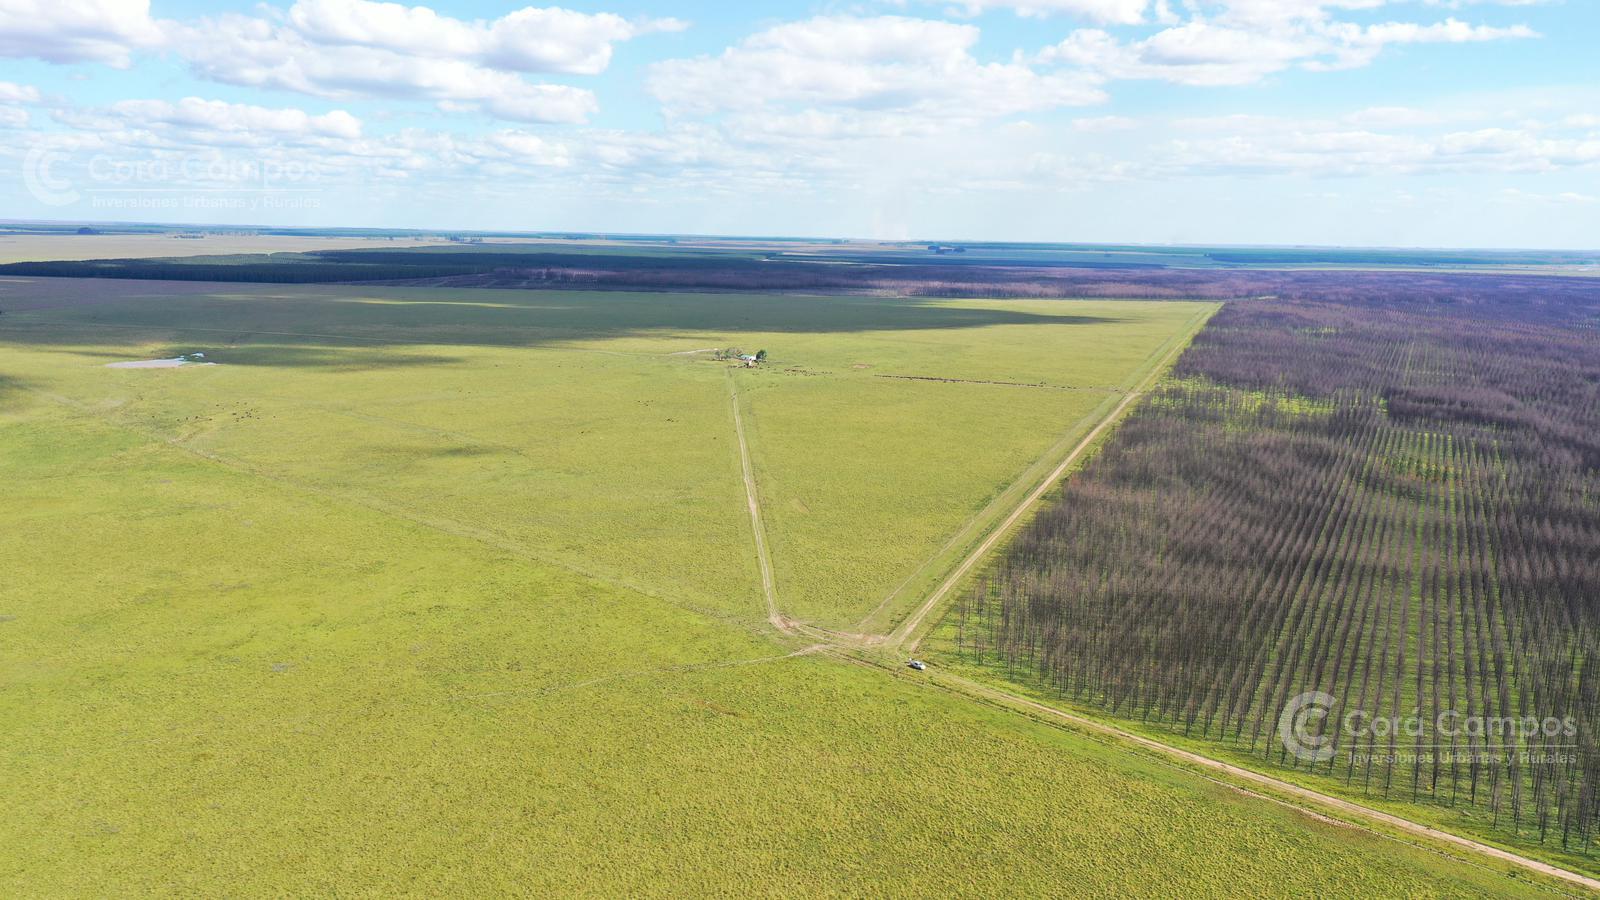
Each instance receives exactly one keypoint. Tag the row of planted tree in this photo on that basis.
(1394, 503)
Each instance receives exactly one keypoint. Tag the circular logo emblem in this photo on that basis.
(1297, 726)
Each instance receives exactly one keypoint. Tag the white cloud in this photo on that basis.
(526, 149)
(1196, 53)
(530, 39)
(1507, 149)
(1254, 41)
(1515, 195)
(1100, 124)
(11, 92)
(1282, 13)
(1393, 117)
(68, 31)
(1459, 4)
(192, 114)
(348, 48)
(1288, 147)
(1310, 152)
(1351, 46)
(887, 63)
(380, 59)
(832, 106)
(1108, 12)
(807, 125)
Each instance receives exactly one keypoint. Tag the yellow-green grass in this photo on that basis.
(316, 620)
(573, 427)
(890, 467)
(219, 683)
(939, 647)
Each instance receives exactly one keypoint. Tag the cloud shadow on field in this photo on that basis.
(364, 327)
(10, 386)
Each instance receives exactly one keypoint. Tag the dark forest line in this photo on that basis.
(489, 266)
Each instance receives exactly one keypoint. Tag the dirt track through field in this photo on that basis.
(1346, 807)
(839, 645)
(979, 553)
(753, 500)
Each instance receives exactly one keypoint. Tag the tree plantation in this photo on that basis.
(1391, 500)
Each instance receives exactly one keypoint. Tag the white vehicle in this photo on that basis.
(917, 664)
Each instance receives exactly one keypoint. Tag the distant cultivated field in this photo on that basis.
(427, 592)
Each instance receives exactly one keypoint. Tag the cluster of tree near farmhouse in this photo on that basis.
(1395, 500)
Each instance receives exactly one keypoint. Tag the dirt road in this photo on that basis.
(980, 552)
(1336, 804)
(768, 587)
(840, 644)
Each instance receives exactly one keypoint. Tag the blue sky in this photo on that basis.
(1460, 123)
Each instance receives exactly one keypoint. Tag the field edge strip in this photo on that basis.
(1163, 359)
(1328, 808)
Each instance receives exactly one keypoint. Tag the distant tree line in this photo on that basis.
(495, 266)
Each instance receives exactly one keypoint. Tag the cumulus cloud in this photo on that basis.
(525, 40)
(886, 63)
(837, 101)
(1514, 195)
(105, 31)
(1250, 44)
(219, 117)
(129, 130)
(256, 54)
(349, 48)
(1108, 12)
(1101, 124)
(1394, 117)
(354, 48)
(1196, 53)
(11, 92)
(1301, 148)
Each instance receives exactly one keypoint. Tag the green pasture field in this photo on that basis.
(222, 683)
(454, 592)
(583, 428)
